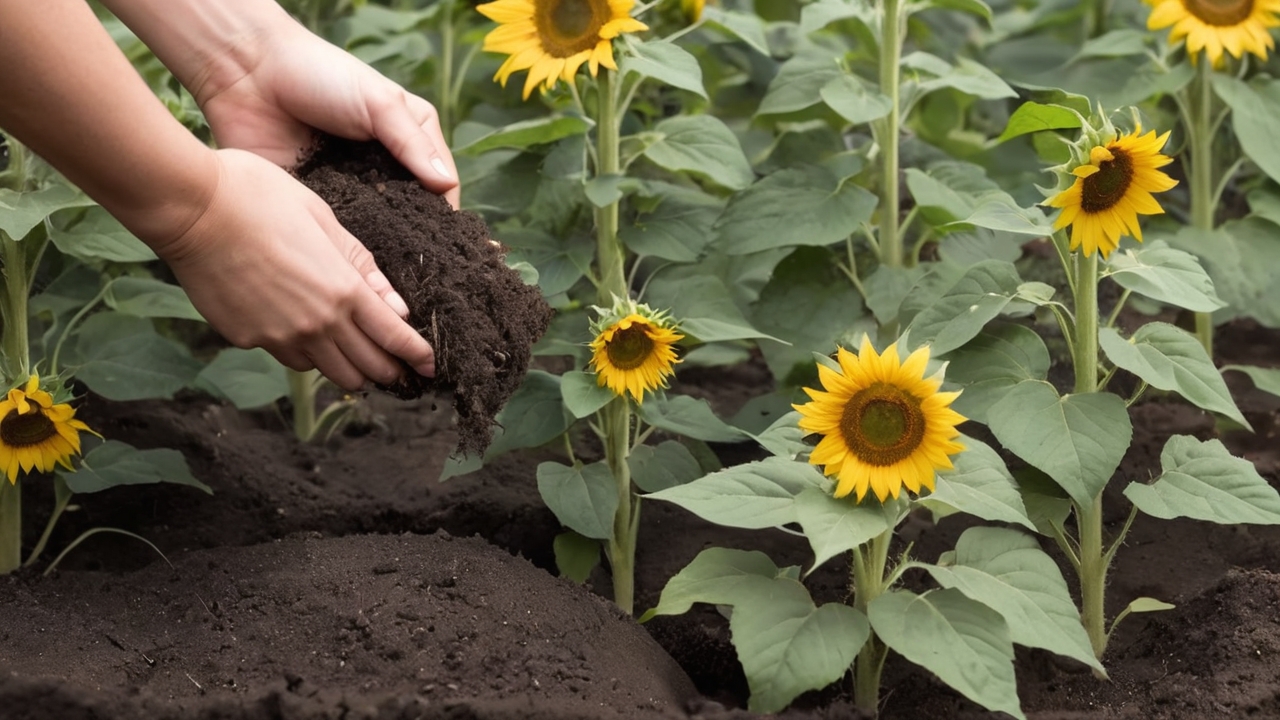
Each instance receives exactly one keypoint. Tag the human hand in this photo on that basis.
(268, 265)
(297, 82)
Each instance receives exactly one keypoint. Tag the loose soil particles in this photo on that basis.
(478, 315)
(342, 581)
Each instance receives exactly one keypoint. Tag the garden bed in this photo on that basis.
(342, 581)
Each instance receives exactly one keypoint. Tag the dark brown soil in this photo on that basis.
(480, 318)
(302, 559)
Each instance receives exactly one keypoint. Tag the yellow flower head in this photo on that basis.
(553, 38)
(35, 433)
(1217, 25)
(883, 423)
(1111, 189)
(634, 349)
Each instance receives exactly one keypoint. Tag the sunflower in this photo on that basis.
(552, 38)
(883, 423)
(633, 350)
(1111, 190)
(35, 433)
(1217, 25)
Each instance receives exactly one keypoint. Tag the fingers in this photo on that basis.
(410, 128)
(395, 336)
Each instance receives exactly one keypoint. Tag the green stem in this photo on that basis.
(10, 526)
(1086, 302)
(869, 562)
(609, 252)
(72, 323)
(62, 499)
(1202, 190)
(890, 129)
(302, 395)
(15, 335)
(621, 548)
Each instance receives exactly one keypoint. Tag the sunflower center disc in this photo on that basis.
(882, 424)
(568, 27)
(1222, 13)
(629, 348)
(26, 430)
(1105, 188)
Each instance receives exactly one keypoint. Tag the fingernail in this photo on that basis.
(397, 303)
(426, 369)
(441, 168)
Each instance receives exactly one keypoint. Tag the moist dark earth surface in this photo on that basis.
(342, 580)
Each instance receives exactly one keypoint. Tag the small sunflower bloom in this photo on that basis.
(553, 38)
(36, 433)
(1215, 26)
(884, 425)
(634, 350)
(1111, 190)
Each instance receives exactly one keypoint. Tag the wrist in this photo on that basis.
(163, 208)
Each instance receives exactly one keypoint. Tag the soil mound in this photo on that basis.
(475, 311)
(359, 627)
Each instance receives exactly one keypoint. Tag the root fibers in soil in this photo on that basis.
(478, 315)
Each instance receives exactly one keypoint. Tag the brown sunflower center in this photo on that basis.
(1103, 189)
(1222, 13)
(629, 348)
(18, 430)
(568, 27)
(882, 424)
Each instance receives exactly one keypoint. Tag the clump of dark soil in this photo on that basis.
(478, 315)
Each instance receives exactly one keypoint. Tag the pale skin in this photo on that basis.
(261, 256)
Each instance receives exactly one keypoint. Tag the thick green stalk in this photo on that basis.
(1093, 567)
(14, 337)
(621, 548)
(10, 526)
(302, 395)
(890, 131)
(609, 252)
(869, 562)
(1201, 149)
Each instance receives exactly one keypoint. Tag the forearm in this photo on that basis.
(207, 45)
(69, 94)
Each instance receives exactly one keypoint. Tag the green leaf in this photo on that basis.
(576, 555)
(678, 229)
(1116, 43)
(665, 62)
(1162, 273)
(788, 646)
(979, 485)
(973, 7)
(1033, 117)
(967, 76)
(123, 358)
(836, 525)
(796, 206)
(583, 498)
(799, 83)
(115, 463)
(717, 576)
(818, 15)
(1007, 571)
(1265, 379)
(666, 465)
(1239, 256)
(886, 288)
(22, 211)
(703, 304)
(1078, 440)
(1170, 358)
(849, 96)
(783, 437)
(753, 496)
(150, 298)
(701, 145)
(746, 26)
(560, 262)
(1254, 109)
(1148, 604)
(1204, 481)
(808, 303)
(987, 367)
(1002, 213)
(98, 235)
(525, 134)
(534, 415)
(960, 314)
(962, 641)
(583, 394)
(690, 417)
(248, 378)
